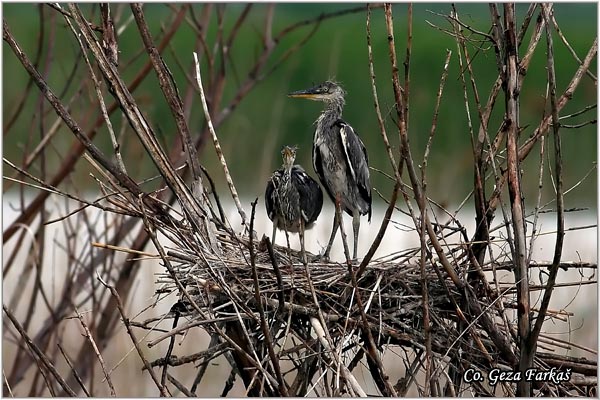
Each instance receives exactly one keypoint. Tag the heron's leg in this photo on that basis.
(333, 232)
(355, 228)
(274, 231)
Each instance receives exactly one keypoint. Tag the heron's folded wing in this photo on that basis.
(271, 203)
(356, 159)
(311, 195)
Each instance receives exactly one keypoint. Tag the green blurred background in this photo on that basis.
(266, 119)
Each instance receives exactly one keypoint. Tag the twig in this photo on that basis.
(537, 204)
(406, 154)
(218, 149)
(519, 255)
(215, 194)
(113, 292)
(406, 92)
(374, 360)
(97, 85)
(321, 334)
(437, 108)
(560, 214)
(169, 89)
(577, 113)
(581, 125)
(7, 385)
(206, 355)
(276, 269)
(40, 355)
(187, 326)
(542, 128)
(90, 338)
(214, 342)
(57, 7)
(397, 170)
(124, 250)
(175, 310)
(567, 45)
(180, 386)
(263, 319)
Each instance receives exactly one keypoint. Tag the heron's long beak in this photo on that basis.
(311, 93)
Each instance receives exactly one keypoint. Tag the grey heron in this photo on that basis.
(293, 199)
(339, 158)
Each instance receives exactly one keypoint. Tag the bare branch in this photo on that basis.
(218, 149)
(38, 353)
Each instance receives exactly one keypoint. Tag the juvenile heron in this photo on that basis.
(293, 199)
(339, 158)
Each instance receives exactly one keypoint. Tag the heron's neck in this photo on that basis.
(331, 113)
(287, 169)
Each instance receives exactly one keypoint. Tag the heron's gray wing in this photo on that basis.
(271, 201)
(356, 159)
(310, 193)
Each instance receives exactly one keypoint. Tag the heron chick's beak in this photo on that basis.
(289, 152)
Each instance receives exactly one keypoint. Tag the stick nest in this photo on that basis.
(266, 301)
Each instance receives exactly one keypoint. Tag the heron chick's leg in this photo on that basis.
(355, 228)
(302, 250)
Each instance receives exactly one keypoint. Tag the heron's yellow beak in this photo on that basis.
(303, 94)
(314, 93)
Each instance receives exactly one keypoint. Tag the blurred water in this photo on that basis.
(580, 245)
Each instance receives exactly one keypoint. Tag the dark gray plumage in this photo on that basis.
(293, 199)
(339, 158)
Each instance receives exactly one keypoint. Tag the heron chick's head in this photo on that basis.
(288, 153)
(327, 91)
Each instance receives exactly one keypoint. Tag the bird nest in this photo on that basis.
(290, 327)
